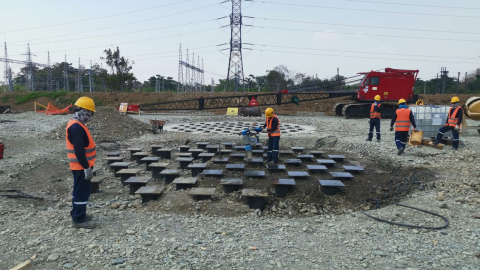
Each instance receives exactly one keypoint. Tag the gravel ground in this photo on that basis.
(133, 236)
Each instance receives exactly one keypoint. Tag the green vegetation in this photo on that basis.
(19, 99)
(468, 85)
(5, 99)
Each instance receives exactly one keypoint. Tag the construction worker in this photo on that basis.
(402, 119)
(272, 123)
(375, 115)
(454, 123)
(81, 152)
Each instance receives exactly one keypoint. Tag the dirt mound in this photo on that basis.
(108, 125)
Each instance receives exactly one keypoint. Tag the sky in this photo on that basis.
(314, 37)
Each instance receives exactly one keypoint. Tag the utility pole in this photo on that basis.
(212, 85)
(444, 75)
(424, 86)
(235, 65)
(8, 73)
(79, 79)
(157, 84)
(465, 85)
(65, 74)
(187, 77)
(90, 78)
(436, 85)
(338, 76)
(49, 75)
(458, 83)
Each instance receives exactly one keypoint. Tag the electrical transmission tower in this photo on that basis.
(212, 85)
(157, 84)
(235, 65)
(8, 73)
(444, 74)
(30, 81)
(194, 79)
(180, 85)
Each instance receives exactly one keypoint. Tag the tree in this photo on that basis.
(121, 77)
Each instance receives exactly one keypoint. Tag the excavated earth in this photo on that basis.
(305, 230)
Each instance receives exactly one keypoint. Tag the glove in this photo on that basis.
(88, 174)
(457, 128)
(368, 120)
(375, 103)
(258, 129)
(391, 128)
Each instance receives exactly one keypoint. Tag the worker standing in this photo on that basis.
(375, 115)
(81, 152)
(454, 123)
(272, 123)
(402, 119)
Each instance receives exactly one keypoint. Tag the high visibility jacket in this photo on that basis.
(451, 121)
(373, 113)
(90, 151)
(403, 120)
(275, 133)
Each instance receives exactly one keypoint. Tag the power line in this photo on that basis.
(370, 26)
(123, 33)
(104, 46)
(97, 18)
(32, 5)
(398, 54)
(363, 34)
(415, 5)
(367, 10)
(365, 57)
(117, 25)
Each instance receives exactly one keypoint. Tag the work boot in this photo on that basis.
(400, 151)
(435, 143)
(454, 149)
(85, 225)
(378, 140)
(275, 162)
(88, 217)
(368, 140)
(269, 160)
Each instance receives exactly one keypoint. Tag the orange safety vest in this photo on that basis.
(403, 120)
(373, 113)
(452, 122)
(90, 151)
(275, 133)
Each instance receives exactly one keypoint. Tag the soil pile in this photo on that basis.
(108, 125)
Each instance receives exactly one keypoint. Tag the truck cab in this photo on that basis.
(391, 85)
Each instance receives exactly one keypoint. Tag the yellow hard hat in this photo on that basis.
(402, 101)
(377, 98)
(455, 100)
(86, 103)
(269, 112)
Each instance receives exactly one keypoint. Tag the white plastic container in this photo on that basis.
(430, 118)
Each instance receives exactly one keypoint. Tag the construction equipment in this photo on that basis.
(472, 110)
(391, 85)
(250, 138)
(157, 125)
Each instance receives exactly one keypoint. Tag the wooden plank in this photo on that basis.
(23, 266)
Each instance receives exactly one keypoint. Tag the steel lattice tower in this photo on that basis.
(187, 77)
(79, 82)
(194, 76)
(30, 83)
(180, 83)
(235, 65)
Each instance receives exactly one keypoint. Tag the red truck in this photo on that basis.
(391, 85)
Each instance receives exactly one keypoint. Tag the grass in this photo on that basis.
(5, 99)
(33, 95)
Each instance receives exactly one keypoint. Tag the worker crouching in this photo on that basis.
(454, 124)
(374, 121)
(272, 123)
(402, 119)
(81, 152)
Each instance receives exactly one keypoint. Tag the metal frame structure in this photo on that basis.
(235, 65)
(194, 81)
(240, 101)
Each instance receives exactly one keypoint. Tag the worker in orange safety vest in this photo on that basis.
(81, 153)
(454, 124)
(402, 119)
(272, 123)
(374, 120)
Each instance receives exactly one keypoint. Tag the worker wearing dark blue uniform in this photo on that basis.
(402, 119)
(454, 124)
(81, 152)
(375, 116)
(272, 123)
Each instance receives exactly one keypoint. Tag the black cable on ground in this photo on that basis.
(447, 222)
